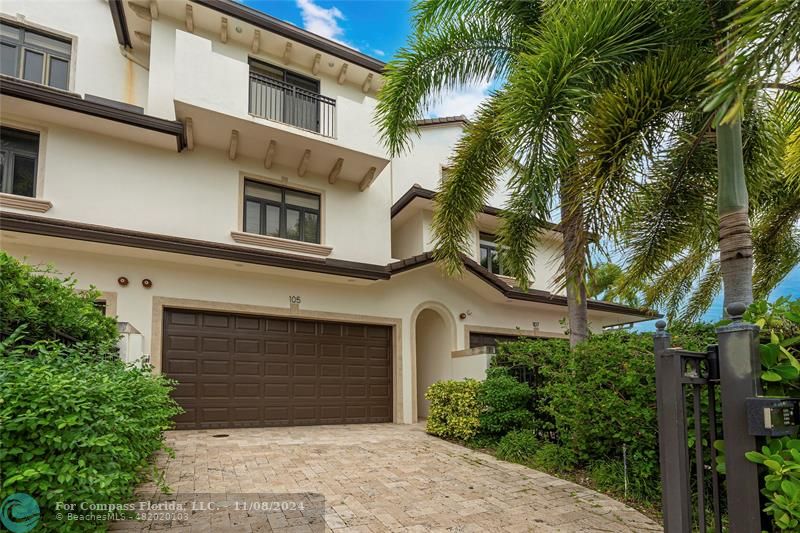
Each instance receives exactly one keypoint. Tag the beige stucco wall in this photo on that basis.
(101, 180)
(393, 301)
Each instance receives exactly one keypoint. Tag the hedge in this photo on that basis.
(76, 423)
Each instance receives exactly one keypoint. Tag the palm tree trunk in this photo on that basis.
(574, 254)
(735, 239)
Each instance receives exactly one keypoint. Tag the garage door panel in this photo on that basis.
(246, 391)
(246, 346)
(304, 348)
(182, 342)
(277, 369)
(246, 371)
(276, 325)
(215, 367)
(247, 368)
(247, 323)
(216, 321)
(330, 371)
(181, 366)
(276, 390)
(216, 344)
(304, 391)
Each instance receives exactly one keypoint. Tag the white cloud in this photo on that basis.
(322, 21)
(463, 102)
(378, 52)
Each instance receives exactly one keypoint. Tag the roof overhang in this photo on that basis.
(253, 29)
(417, 198)
(41, 103)
(517, 294)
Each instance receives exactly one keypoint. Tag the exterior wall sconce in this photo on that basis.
(122, 280)
(146, 283)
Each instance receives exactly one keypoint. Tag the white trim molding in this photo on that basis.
(15, 201)
(277, 243)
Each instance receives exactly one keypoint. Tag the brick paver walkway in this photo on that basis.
(378, 477)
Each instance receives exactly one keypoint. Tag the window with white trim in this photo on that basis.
(489, 257)
(19, 152)
(280, 212)
(34, 56)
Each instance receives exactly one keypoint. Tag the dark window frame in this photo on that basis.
(47, 53)
(495, 267)
(8, 158)
(283, 206)
(262, 67)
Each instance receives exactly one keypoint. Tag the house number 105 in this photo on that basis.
(294, 300)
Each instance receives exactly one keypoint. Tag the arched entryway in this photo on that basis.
(434, 338)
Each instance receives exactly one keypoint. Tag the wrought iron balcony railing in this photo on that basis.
(289, 104)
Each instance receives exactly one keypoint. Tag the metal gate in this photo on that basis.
(692, 389)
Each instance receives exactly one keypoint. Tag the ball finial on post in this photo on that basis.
(661, 325)
(736, 310)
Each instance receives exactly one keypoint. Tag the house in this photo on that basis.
(216, 173)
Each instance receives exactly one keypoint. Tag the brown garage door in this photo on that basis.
(251, 371)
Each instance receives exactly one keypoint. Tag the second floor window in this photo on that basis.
(19, 151)
(490, 259)
(34, 56)
(280, 212)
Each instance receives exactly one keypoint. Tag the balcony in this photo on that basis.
(289, 104)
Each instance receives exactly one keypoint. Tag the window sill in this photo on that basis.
(24, 202)
(277, 243)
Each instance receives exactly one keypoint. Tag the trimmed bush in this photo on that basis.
(504, 403)
(518, 446)
(454, 409)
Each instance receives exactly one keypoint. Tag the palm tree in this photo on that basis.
(694, 203)
(599, 110)
(550, 58)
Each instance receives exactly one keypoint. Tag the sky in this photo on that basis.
(379, 28)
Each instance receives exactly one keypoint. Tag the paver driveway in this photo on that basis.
(380, 477)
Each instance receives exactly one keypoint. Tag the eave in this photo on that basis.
(416, 192)
(515, 293)
(40, 94)
(262, 21)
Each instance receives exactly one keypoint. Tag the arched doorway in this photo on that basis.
(433, 345)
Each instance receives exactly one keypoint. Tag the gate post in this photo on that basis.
(673, 440)
(739, 369)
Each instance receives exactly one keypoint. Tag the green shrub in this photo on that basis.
(609, 476)
(781, 459)
(504, 403)
(75, 428)
(602, 395)
(50, 307)
(454, 409)
(554, 458)
(518, 446)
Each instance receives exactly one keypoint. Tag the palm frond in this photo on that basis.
(451, 56)
(626, 124)
(763, 40)
(703, 295)
(480, 156)
(514, 15)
